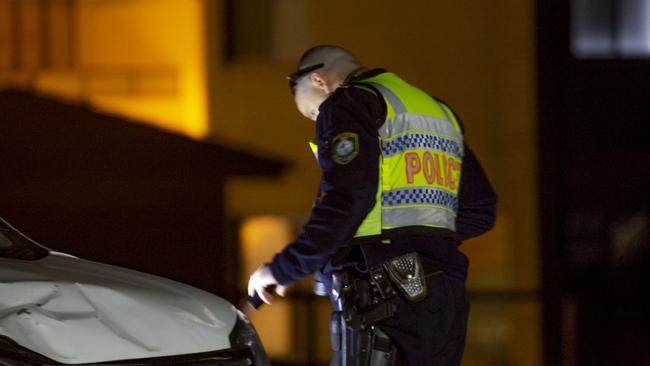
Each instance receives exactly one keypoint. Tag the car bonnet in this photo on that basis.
(76, 311)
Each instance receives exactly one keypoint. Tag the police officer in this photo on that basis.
(400, 190)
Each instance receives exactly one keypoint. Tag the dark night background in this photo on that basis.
(595, 179)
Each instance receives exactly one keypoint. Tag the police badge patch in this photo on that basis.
(345, 147)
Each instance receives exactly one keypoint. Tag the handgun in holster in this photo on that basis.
(356, 339)
(362, 302)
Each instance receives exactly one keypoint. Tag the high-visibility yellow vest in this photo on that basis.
(421, 160)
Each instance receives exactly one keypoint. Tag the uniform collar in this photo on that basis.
(360, 74)
(353, 77)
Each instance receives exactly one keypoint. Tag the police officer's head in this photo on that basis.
(321, 70)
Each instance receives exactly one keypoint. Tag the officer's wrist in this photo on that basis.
(280, 276)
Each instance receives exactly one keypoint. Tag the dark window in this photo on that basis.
(248, 29)
(269, 30)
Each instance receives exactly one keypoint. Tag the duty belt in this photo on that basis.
(404, 275)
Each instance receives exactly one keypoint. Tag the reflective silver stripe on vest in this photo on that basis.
(410, 131)
(400, 217)
(425, 206)
(418, 122)
(393, 100)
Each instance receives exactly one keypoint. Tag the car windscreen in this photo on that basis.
(15, 245)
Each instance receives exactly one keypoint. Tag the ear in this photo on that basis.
(319, 81)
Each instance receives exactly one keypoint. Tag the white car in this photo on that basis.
(58, 309)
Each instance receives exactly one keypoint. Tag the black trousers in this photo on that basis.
(432, 331)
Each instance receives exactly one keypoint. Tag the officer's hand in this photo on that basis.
(260, 280)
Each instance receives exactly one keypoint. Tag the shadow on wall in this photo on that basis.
(106, 189)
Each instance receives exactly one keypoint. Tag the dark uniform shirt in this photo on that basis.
(348, 194)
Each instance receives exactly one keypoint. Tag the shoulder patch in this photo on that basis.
(345, 147)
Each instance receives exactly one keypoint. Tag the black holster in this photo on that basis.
(356, 336)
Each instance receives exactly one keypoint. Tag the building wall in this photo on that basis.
(138, 58)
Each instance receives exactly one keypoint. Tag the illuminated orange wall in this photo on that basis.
(138, 58)
(149, 34)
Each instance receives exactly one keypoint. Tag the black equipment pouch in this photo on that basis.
(407, 274)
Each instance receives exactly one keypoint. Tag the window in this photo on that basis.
(610, 28)
(273, 30)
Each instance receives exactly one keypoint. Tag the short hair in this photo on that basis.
(332, 60)
(328, 55)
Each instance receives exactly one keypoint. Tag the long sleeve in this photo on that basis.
(477, 200)
(348, 155)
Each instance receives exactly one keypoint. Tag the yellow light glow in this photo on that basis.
(127, 61)
(136, 38)
(261, 237)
